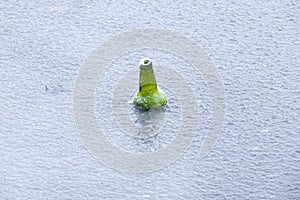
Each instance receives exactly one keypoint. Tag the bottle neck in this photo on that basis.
(148, 85)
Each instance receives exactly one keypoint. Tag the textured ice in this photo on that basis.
(255, 45)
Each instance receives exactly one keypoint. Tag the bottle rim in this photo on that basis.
(145, 63)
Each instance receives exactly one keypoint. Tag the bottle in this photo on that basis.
(149, 95)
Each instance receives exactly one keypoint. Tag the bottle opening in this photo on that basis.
(145, 63)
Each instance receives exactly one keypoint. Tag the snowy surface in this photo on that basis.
(254, 44)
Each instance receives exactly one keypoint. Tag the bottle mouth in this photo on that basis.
(145, 63)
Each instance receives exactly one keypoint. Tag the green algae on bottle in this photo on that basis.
(149, 95)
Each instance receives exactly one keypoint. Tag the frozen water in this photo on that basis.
(255, 45)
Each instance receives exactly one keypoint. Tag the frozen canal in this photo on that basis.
(255, 48)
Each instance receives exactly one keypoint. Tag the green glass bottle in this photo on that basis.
(149, 95)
